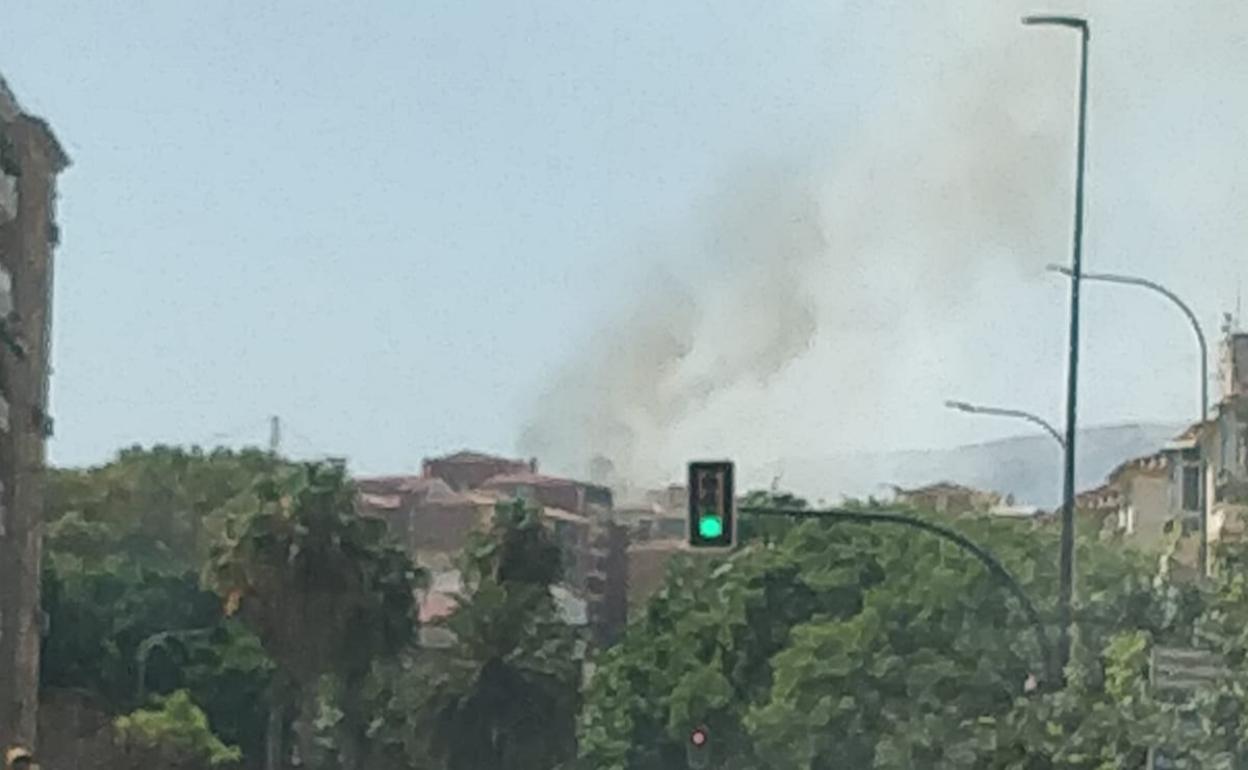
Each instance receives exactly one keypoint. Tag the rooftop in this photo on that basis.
(1104, 496)
(467, 456)
(382, 502)
(941, 487)
(1150, 464)
(527, 478)
(425, 489)
(1188, 438)
(11, 111)
(562, 515)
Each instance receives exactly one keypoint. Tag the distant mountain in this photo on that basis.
(1029, 467)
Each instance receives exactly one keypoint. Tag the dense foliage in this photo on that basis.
(174, 734)
(322, 587)
(863, 646)
(123, 553)
(504, 695)
(815, 645)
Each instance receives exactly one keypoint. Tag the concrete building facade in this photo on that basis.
(30, 161)
(1156, 499)
(434, 514)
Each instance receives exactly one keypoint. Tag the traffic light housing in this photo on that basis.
(697, 753)
(712, 519)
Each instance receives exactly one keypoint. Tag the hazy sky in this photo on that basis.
(397, 226)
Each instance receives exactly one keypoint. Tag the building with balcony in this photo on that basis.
(31, 159)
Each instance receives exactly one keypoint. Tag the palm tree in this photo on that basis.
(506, 695)
(320, 587)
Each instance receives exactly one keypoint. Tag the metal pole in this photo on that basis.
(963, 406)
(1130, 280)
(1066, 558)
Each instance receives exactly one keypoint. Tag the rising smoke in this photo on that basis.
(962, 172)
(740, 322)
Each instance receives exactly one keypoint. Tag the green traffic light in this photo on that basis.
(710, 526)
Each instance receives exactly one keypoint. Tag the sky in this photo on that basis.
(408, 228)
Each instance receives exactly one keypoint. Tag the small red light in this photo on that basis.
(698, 737)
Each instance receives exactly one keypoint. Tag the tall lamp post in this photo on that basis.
(1066, 584)
(994, 411)
(1130, 280)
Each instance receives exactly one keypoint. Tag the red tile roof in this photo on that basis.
(422, 489)
(467, 456)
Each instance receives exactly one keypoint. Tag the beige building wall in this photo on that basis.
(1147, 509)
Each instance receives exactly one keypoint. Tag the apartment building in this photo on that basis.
(1157, 497)
(31, 158)
(435, 513)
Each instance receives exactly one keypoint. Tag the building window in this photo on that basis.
(8, 198)
(6, 293)
(1191, 487)
(9, 164)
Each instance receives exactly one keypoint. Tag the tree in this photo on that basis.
(320, 586)
(174, 735)
(864, 646)
(505, 696)
(767, 529)
(164, 506)
(124, 548)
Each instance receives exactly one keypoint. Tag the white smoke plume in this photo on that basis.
(967, 170)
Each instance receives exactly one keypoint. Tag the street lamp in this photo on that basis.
(963, 406)
(1066, 585)
(1130, 280)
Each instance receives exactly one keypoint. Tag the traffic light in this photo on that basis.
(697, 753)
(712, 523)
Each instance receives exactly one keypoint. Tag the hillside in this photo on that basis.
(1029, 467)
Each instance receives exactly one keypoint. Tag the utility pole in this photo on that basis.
(275, 723)
(1066, 558)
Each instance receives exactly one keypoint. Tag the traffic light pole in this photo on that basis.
(994, 566)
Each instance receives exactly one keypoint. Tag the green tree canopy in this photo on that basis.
(124, 547)
(322, 587)
(175, 734)
(162, 507)
(864, 646)
(505, 695)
